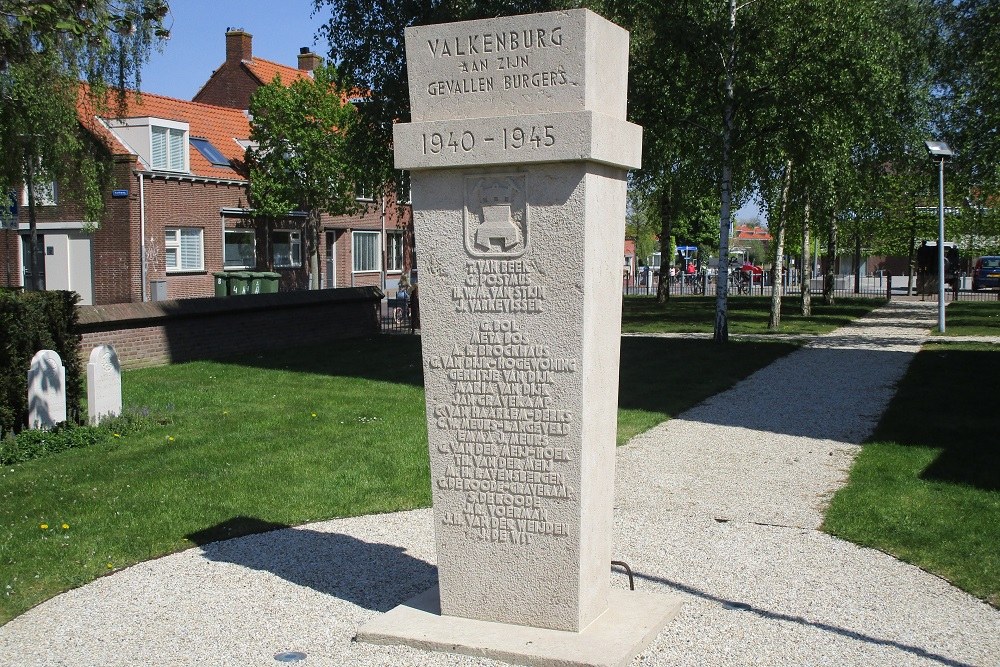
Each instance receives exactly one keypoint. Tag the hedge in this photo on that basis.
(29, 322)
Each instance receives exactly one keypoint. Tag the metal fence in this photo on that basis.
(871, 287)
(397, 316)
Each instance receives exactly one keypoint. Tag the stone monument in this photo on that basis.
(46, 390)
(104, 384)
(518, 150)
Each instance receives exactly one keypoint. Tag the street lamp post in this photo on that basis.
(939, 151)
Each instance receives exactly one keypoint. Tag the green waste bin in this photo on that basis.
(269, 282)
(221, 283)
(254, 282)
(239, 282)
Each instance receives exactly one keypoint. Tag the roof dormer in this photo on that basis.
(163, 145)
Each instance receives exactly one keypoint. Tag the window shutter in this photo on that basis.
(159, 148)
(177, 150)
(191, 248)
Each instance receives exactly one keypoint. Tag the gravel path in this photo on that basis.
(720, 506)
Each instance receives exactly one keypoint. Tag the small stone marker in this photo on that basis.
(518, 152)
(104, 384)
(46, 390)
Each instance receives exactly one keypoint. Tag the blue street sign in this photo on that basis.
(119, 194)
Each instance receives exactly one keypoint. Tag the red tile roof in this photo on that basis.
(265, 71)
(220, 125)
(748, 233)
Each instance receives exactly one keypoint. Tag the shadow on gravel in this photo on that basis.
(818, 392)
(787, 618)
(369, 574)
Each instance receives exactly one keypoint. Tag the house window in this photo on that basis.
(365, 193)
(241, 249)
(184, 249)
(45, 194)
(365, 248)
(168, 148)
(394, 251)
(287, 247)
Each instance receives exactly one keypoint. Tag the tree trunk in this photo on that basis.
(806, 264)
(729, 108)
(831, 263)
(29, 186)
(312, 236)
(779, 250)
(667, 209)
(857, 262)
(911, 260)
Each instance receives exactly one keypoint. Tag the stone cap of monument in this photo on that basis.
(523, 89)
(518, 65)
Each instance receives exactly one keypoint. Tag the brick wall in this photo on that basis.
(156, 333)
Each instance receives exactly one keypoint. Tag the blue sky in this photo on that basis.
(197, 45)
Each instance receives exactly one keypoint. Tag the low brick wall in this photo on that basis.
(161, 332)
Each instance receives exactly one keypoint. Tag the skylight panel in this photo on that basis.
(210, 152)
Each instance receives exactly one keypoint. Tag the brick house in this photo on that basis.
(178, 210)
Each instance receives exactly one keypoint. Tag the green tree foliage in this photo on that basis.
(303, 160)
(366, 42)
(46, 49)
(970, 119)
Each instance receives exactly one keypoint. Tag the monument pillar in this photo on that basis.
(518, 151)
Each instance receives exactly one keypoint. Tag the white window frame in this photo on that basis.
(173, 240)
(46, 194)
(365, 193)
(294, 249)
(175, 160)
(355, 255)
(225, 244)
(394, 251)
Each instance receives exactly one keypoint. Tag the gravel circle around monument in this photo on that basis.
(720, 506)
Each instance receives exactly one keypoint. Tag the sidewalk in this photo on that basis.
(720, 506)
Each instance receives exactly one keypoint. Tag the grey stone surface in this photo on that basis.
(521, 381)
(104, 384)
(755, 593)
(46, 390)
(630, 623)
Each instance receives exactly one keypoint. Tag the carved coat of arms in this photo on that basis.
(496, 215)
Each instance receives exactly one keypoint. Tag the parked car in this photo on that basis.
(986, 273)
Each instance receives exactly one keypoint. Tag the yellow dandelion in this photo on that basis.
(110, 566)
(314, 415)
(170, 438)
(118, 435)
(225, 412)
(65, 526)
(44, 526)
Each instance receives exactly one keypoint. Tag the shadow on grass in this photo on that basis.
(669, 375)
(381, 358)
(372, 575)
(949, 402)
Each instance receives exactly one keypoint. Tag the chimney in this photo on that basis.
(308, 61)
(239, 45)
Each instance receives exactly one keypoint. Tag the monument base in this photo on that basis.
(631, 622)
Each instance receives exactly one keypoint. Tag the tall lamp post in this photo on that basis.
(939, 151)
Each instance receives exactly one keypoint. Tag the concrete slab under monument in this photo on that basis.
(631, 621)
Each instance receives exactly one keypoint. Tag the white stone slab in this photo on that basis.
(534, 63)
(631, 622)
(556, 137)
(104, 384)
(46, 390)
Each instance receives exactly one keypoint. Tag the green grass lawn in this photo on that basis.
(926, 486)
(972, 318)
(747, 314)
(269, 441)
